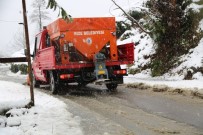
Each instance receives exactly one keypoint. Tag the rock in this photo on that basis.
(189, 74)
(2, 122)
(16, 112)
(13, 121)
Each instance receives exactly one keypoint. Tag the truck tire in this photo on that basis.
(112, 87)
(82, 84)
(53, 84)
(35, 82)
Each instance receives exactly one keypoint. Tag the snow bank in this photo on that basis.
(192, 59)
(201, 24)
(18, 74)
(48, 116)
(190, 85)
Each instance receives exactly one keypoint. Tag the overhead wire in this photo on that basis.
(110, 10)
(8, 21)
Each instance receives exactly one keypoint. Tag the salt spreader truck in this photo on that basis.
(83, 50)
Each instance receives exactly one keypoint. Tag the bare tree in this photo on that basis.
(17, 43)
(19, 40)
(39, 13)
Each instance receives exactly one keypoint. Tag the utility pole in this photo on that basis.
(32, 103)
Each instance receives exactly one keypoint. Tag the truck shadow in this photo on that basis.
(90, 90)
(74, 90)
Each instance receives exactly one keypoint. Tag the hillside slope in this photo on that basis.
(190, 63)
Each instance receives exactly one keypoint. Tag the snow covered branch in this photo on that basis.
(131, 18)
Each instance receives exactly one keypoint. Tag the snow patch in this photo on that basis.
(198, 76)
(201, 24)
(191, 85)
(48, 116)
(18, 74)
(192, 59)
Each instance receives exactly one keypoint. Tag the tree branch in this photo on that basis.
(52, 4)
(131, 18)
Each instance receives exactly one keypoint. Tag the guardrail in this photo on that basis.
(13, 59)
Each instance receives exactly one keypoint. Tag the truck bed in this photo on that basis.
(48, 59)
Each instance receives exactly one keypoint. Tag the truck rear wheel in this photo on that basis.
(53, 83)
(112, 87)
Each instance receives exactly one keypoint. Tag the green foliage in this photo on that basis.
(137, 15)
(23, 68)
(157, 68)
(133, 71)
(121, 27)
(52, 4)
(201, 10)
(126, 36)
(156, 64)
(14, 68)
(175, 32)
(19, 67)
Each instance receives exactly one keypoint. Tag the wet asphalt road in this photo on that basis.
(175, 107)
(145, 112)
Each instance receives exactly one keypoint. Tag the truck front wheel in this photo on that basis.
(53, 84)
(112, 87)
(35, 82)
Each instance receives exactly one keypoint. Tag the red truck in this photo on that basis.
(83, 51)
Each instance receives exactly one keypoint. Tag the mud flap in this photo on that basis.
(101, 81)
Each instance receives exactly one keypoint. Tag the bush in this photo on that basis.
(126, 36)
(201, 10)
(19, 67)
(137, 15)
(23, 68)
(175, 32)
(121, 27)
(157, 64)
(14, 68)
(133, 71)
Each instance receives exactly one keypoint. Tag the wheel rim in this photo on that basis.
(33, 80)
